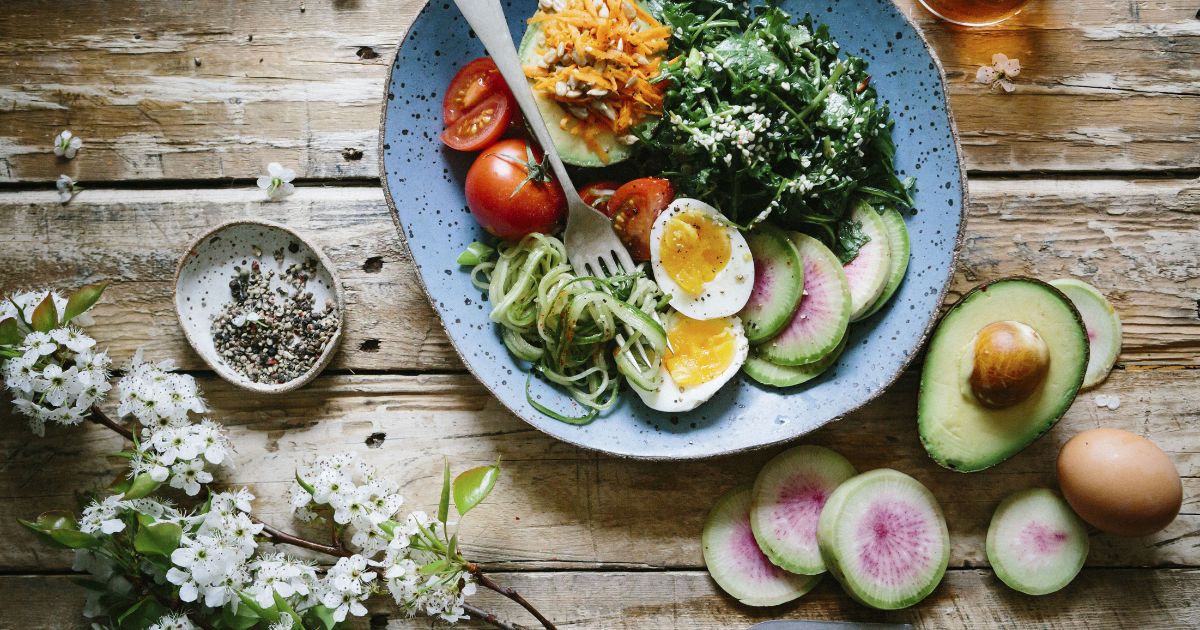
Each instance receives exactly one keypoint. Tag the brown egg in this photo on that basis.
(1010, 361)
(1119, 482)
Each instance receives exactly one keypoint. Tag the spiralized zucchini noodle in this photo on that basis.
(574, 329)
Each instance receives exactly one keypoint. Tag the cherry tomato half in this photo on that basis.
(481, 126)
(634, 208)
(509, 196)
(475, 82)
(597, 194)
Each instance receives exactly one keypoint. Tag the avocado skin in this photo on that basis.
(932, 414)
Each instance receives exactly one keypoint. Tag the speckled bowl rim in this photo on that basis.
(225, 372)
(886, 384)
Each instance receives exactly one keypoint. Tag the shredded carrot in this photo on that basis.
(598, 58)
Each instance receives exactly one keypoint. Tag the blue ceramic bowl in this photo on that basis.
(424, 185)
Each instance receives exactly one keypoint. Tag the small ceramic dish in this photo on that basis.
(202, 289)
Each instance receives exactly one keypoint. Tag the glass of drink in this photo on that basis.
(974, 12)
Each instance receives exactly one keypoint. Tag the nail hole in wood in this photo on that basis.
(375, 440)
(374, 264)
(366, 52)
(370, 345)
(350, 154)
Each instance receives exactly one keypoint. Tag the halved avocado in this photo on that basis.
(962, 428)
(571, 148)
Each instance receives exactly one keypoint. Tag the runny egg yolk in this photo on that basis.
(694, 249)
(698, 350)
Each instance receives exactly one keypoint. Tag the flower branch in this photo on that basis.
(153, 565)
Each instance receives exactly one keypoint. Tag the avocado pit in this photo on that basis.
(1009, 360)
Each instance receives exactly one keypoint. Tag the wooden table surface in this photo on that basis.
(1089, 170)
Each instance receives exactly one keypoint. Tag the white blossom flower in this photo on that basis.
(211, 561)
(189, 476)
(103, 516)
(66, 188)
(280, 574)
(350, 488)
(39, 344)
(67, 144)
(999, 73)
(19, 373)
(278, 181)
(285, 623)
(173, 621)
(73, 338)
(439, 595)
(345, 587)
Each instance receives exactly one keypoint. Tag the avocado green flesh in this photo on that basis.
(571, 148)
(957, 431)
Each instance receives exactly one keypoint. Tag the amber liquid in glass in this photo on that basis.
(975, 12)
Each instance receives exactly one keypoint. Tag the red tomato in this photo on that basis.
(634, 207)
(597, 194)
(509, 196)
(481, 126)
(477, 80)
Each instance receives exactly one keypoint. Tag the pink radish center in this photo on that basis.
(893, 542)
(763, 281)
(1043, 538)
(799, 508)
(750, 559)
(813, 305)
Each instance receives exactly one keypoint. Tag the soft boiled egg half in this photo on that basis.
(702, 355)
(700, 261)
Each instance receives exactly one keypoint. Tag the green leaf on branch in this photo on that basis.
(444, 504)
(322, 614)
(285, 608)
(473, 486)
(435, 567)
(141, 486)
(156, 538)
(242, 619)
(45, 316)
(59, 529)
(143, 614)
(10, 332)
(269, 613)
(82, 300)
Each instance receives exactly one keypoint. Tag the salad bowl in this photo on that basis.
(423, 183)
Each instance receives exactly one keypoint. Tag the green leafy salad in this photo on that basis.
(763, 119)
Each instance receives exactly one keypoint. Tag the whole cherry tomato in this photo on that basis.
(512, 194)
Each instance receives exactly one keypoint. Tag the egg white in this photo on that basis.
(726, 293)
(670, 398)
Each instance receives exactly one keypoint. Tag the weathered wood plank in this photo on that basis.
(214, 90)
(968, 599)
(558, 506)
(1137, 241)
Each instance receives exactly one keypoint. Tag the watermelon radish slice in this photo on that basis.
(789, 493)
(820, 321)
(737, 564)
(778, 283)
(1102, 324)
(1035, 543)
(775, 375)
(868, 273)
(901, 249)
(883, 536)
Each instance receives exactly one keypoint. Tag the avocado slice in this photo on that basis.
(571, 148)
(958, 430)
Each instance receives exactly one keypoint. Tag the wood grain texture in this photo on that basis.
(558, 506)
(675, 600)
(216, 89)
(1135, 240)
